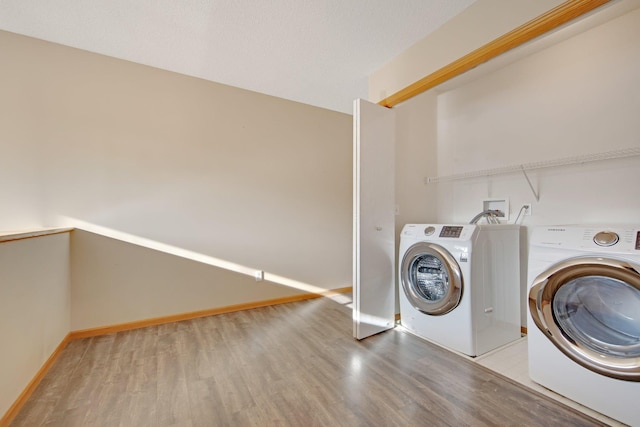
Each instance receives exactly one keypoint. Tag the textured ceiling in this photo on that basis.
(318, 52)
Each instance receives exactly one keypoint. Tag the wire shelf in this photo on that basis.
(614, 154)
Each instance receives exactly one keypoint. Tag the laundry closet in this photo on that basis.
(552, 124)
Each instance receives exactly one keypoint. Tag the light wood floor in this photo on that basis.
(512, 361)
(289, 365)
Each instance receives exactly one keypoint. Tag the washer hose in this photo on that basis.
(490, 214)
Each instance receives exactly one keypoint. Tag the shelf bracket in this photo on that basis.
(535, 194)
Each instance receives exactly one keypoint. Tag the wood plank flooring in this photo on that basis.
(293, 364)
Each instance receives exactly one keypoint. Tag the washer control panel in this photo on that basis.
(433, 232)
(451, 231)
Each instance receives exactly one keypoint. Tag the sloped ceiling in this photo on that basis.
(318, 52)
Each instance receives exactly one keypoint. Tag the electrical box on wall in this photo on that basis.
(501, 204)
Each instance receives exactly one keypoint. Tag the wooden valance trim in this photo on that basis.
(538, 26)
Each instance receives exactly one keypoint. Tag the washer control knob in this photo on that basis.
(606, 238)
(429, 230)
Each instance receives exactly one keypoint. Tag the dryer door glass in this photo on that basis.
(589, 308)
(431, 279)
(602, 313)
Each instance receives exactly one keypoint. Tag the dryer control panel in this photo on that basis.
(616, 239)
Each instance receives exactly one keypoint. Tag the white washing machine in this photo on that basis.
(584, 316)
(460, 284)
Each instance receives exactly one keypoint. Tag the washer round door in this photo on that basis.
(590, 310)
(431, 278)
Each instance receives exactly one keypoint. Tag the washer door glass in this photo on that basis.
(601, 313)
(431, 278)
(590, 310)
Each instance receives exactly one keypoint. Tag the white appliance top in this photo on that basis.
(448, 232)
(616, 239)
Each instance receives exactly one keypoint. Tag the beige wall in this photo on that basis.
(416, 135)
(117, 282)
(20, 185)
(244, 177)
(480, 23)
(35, 291)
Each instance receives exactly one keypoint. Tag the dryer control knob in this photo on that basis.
(429, 230)
(606, 238)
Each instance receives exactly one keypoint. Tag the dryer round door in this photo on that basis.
(590, 310)
(431, 278)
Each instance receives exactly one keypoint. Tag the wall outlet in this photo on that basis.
(527, 209)
(259, 275)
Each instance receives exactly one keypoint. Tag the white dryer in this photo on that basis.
(584, 316)
(460, 284)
